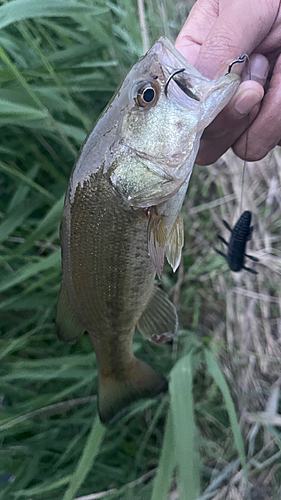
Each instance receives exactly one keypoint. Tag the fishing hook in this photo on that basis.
(239, 59)
(170, 78)
(181, 85)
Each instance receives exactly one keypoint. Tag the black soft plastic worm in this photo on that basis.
(240, 234)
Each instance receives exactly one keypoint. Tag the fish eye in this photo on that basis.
(147, 95)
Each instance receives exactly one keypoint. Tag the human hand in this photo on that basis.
(216, 33)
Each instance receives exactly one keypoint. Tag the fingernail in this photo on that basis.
(247, 102)
(259, 67)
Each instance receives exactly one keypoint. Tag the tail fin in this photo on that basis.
(139, 381)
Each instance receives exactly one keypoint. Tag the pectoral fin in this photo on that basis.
(159, 321)
(68, 329)
(175, 243)
(157, 238)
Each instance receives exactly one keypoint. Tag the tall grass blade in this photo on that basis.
(28, 88)
(163, 479)
(215, 372)
(48, 223)
(30, 270)
(22, 190)
(27, 9)
(184, 429)
(18, 175)
(16, 218)
(87, 459)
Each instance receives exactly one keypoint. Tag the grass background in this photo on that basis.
(60, 63)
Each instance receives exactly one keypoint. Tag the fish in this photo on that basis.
(122, 217)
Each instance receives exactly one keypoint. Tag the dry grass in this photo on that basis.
(243, 311)
(253, 304)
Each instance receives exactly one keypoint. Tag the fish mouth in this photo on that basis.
(171, 58)
(177, 69)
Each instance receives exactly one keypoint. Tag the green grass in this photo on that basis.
(60, 63)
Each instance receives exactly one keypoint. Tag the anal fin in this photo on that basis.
(159, 321)
(175, 243)
(68, 328)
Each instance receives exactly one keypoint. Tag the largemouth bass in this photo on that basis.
(122, 217)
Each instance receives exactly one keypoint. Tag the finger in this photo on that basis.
(272, 41)
(257, 69)
(230, 123)
(196, 28)
(240, 27)
(265, 132)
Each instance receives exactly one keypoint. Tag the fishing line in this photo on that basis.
(242, 59)
(242, 231)
(246, 57)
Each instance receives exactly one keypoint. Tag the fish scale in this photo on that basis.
(123, 239)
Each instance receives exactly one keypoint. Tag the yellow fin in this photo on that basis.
(157, 238)
(138, 381)
(175, 243)
(68, 329)
(159, 321)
